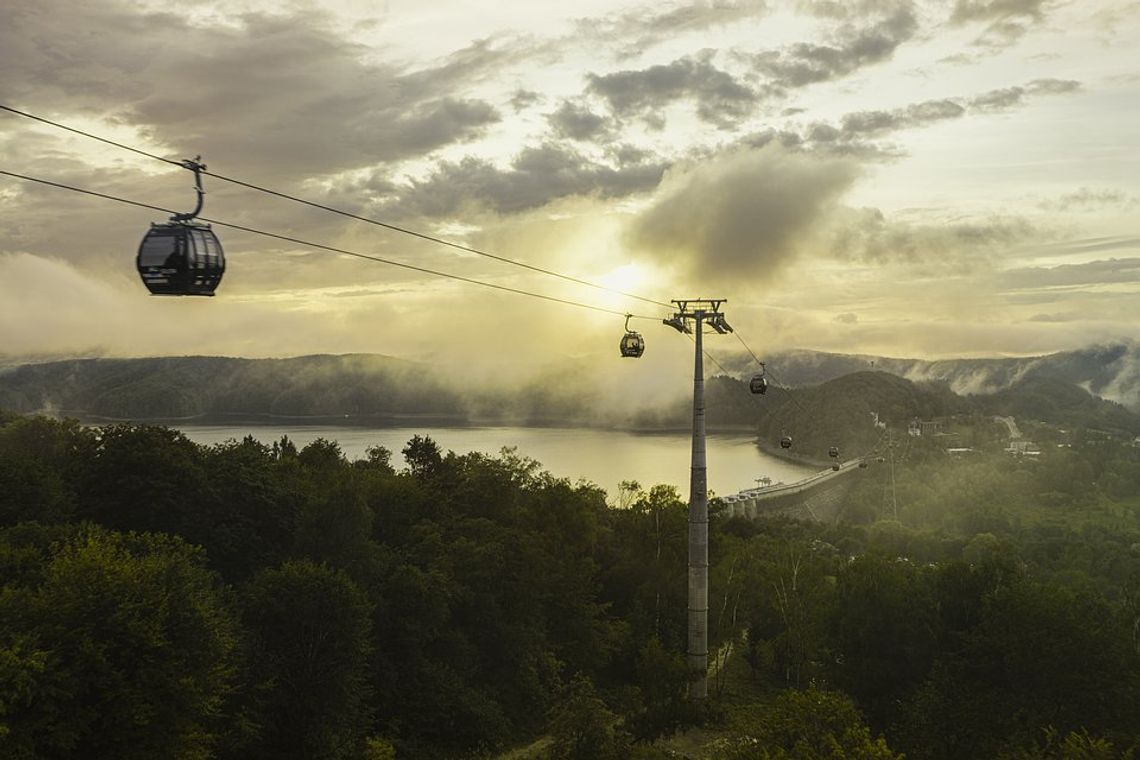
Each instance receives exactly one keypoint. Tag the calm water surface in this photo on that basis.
(604, 457)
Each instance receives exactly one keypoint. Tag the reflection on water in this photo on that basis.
(604, 457)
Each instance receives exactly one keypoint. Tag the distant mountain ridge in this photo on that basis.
(1111, 371)
(375, 389)
(195, 386)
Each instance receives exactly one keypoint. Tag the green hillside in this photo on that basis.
(842, 412)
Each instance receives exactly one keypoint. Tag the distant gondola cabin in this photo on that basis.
(632, 345)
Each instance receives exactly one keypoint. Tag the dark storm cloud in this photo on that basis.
(721, 98)
(851, 48)
(537, 176)
(577, 122)
(741, 215)
(284, 95)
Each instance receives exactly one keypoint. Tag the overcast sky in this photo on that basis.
(926, 179)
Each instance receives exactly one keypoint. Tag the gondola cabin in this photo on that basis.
(835, 466)
(181, 259)
(833, 452)
(632, 345)
(785, 442)
(758, 384)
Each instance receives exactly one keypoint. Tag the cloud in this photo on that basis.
(857, 127)
(871, 123)
(1007, 20)
(721, 99)
(282, 94)
(867, 235)
(634, 32)
(577, 122)
(1053, 318)
(989, 10)
(1101, 272)
(1091, 199)
(1008, 97)
(523, 99)
(851, 48)
(741, 215)
(536, 176)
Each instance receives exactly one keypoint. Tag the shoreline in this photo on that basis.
(386, 420)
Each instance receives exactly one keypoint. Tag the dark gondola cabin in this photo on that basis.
(786, 442)
(181, 259)
(833, 452)
(758, 384)
(632, 345)
(835, 467)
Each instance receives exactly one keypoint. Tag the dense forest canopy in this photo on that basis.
(166, 599)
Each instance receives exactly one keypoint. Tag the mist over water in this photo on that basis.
(603, 457)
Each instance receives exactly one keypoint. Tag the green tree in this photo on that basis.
(309, 627)
(41, 464)
(423, 456)
(1076, 745)
(111, 646)
(883, 631)
(1040, 656)
(583, 728)
(806, 725)
(662, 680)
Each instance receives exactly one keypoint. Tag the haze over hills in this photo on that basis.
(373, 389)
(1110, 371)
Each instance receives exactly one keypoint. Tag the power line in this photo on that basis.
(342, 212)
(332, 249)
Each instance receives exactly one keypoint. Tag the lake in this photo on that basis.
(604, 457)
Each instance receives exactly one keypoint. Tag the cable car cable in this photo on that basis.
(49, 122)
(440, 241)
(347, 214)
(332, 249)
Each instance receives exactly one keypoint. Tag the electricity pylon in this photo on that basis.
(699, 312)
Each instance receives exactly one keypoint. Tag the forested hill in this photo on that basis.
(1111, 372)
(373, 389)
(191, 386)
(841, 412)
(354, 388)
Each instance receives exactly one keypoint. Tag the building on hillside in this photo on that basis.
(1021, 447)
(924, 427)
